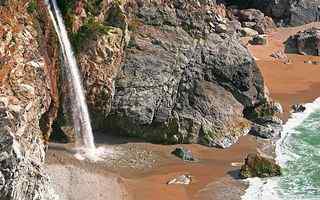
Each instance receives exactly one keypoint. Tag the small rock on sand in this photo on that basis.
(184, 179)
(183, 153)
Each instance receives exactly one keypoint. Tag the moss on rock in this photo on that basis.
(258, 166)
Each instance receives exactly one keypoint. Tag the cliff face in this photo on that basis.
(26, 102)
(180, 81)
(160, 71)
(166, 71)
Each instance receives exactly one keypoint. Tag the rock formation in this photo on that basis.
(167, 71)
(285, 12)
(258, 166)
(305, 42)
(27, 100)
(160, 71)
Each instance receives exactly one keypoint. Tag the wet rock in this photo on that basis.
(258, 166)
(268, 119)
(267, 131)
(264, 113)
(277, 107)
(298, 108)
(185, 179)
(183, 153)
(258, 40)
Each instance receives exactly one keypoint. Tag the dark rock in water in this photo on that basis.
(258, 166)
(305, 42)
(264, 113)
(298, 108)
(258, 40)
(277, 107)
(267, 131)
(183, 153)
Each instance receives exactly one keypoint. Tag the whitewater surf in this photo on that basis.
(298, 153)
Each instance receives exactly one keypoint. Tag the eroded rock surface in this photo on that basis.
(258, 166)
(26, 100)
(179, 81)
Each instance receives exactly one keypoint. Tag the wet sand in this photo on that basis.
(214, 165)
(213, 177)
(288, 84)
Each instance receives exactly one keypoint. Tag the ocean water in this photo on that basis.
(298, 153)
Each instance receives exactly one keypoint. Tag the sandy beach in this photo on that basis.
(213, 177)
(293, 83)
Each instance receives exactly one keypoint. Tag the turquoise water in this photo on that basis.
(301, 178)
(298, 153)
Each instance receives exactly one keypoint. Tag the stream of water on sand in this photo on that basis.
(298, 153)
(81, 120)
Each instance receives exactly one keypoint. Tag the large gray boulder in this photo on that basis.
(177, 86)
(179, 81)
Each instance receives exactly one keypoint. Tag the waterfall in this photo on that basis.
(81, 118)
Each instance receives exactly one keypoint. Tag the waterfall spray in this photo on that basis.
(81, 118)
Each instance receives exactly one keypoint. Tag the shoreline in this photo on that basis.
(213, 176)
(288, 84)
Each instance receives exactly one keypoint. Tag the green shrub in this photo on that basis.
(67, 8)
(89, 28)
(32, 6)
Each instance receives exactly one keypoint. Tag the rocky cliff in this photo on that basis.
(165, 71)
(27, 99)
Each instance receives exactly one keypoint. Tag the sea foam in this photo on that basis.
(266, 189)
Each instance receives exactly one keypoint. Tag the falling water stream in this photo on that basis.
(81, 119)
